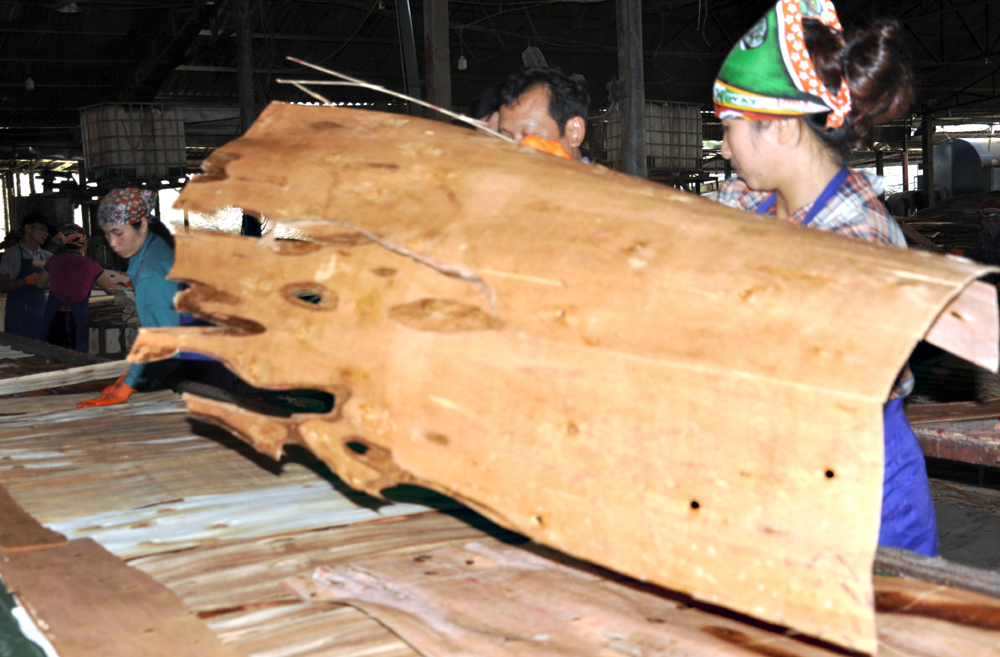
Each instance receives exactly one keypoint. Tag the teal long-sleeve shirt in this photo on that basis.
(154, 297)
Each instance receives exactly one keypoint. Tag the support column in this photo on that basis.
(244, 65)
(8, 202)
(409, 44)
(880, 170)
(245, 89)
(632, 97)
(437, 64)
(928, 159)
(906, 171)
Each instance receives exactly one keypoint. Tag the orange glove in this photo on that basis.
(120, 380)
(120, 392)
(32, 278)
(552, 147)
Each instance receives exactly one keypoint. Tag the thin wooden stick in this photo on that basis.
(310, 92)
(374, 87)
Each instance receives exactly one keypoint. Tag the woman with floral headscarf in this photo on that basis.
(795, 95)
(71, 275)
(124, 216)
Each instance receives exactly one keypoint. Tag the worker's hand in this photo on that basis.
(32, 279)
(551, 147)
(119, 394)
(120, 380)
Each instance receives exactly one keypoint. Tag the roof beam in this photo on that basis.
(304, 37)
(165, 51)
(68, 62)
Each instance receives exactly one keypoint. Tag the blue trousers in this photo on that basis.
(79, 316)
(907, 509)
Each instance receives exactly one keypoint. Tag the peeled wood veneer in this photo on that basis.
(90, 604)
(676, 390)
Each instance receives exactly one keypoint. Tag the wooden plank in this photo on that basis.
(107, 370)
(912, 234)
(53, 403)
(90, 604)
(952, 412)
(969, 441)
(554, 344)
(19, 530)
(49, 351)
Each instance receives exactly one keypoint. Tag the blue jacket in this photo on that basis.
(154, 296)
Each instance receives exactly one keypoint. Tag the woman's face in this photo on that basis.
(126, 239)
(752, 150)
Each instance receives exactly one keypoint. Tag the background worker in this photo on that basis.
(124, 216)
(794, 96)
(71, 275)
(22, 280)
(988, 245)
(544, 103)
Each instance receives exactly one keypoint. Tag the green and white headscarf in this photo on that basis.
(769, 73)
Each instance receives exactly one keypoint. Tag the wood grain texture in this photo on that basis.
(968, 326)
(679, 391)
(953, 411)
(488, 599)
(20, 531)
(492, 600)
(55, 403)
(108, 370)
(90, 604)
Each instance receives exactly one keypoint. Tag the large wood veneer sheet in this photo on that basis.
(682, 392)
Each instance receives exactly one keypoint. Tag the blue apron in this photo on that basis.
(23, 315)
(907, 508)
(78, 315)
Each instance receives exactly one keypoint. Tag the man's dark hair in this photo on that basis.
(487, 102)
(34, 218)
(567, 97)
(31, 218)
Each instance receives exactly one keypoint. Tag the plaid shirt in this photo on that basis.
(855, 211)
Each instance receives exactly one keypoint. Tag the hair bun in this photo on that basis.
(876, 64)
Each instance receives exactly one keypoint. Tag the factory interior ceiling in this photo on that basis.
(57, 56)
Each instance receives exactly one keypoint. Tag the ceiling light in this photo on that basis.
(463, 63)
(532, 56)
(29, 84)
(67, 7)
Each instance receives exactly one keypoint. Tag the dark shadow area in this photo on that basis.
(223, 437)
(293, 454)
(407, 494)
(964, 473)
(942, 377)
(272, 403)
